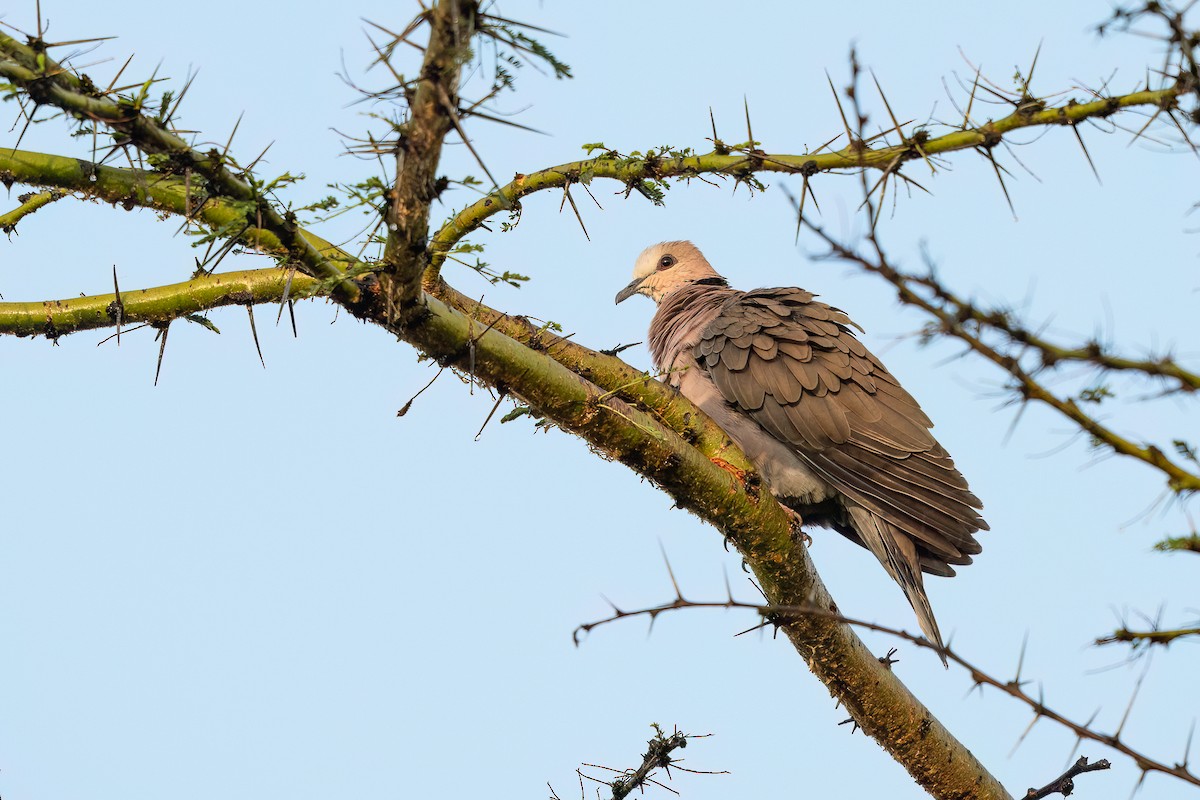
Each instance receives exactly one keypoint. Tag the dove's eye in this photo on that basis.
(666, 262)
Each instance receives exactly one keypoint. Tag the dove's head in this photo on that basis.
(664, 267)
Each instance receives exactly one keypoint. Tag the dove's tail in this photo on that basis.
(899, 557)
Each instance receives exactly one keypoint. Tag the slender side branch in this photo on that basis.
(133, 188)
(54, 318)
(657, 166)
(29, 204)
(1140, 638)
(782, 615)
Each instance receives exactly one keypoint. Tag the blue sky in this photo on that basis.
(247, 582)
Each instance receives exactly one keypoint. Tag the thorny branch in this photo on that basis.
(46, 82)
(1139, 639)
(963, 320)
(776, 615)
(658, 756)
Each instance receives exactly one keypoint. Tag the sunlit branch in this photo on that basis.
(49, 83)
(632, 172)
(29, 204)
(158, 305)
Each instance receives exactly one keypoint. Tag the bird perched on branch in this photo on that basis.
(833, 434)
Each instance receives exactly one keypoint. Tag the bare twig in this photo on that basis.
(1065, 783)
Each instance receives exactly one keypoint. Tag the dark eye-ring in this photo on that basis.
(666, 262)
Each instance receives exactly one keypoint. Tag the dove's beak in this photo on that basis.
(630, 290)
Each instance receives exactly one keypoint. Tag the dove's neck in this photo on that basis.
(683, 315)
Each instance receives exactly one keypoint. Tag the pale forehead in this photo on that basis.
(647, 262)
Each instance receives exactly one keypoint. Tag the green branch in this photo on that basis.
(1140, 638)
(49, 83)
(157, 306)
(29, 204)
(745, 162)
(132, 188)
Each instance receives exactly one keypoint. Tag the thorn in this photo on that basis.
(670, 572)
(800, 208)
(822, 147)
(1079, 736)
(971, 99)
(1129, 708)
(1032, 722)
(1141, 779)
(118, 75)
(178, 100)
(1021, 660)
(886, 104)
(449, 107)
(291, 304)
(287, 290)
(567, 198)
(233, 133)
(841, 111)
(1033, 66)
(999, 177)
(120, 305)
(749, 132)
(1086, 154)
(1183, 133)
(254, 163)
(254, 333)
(492, 413)
(1142, 130)
(161, 349)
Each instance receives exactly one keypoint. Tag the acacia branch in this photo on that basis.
(157, 306)
(747, 161)
(953, 314)
(782, 616)
(30, 68)
(29, 204)
(1144, 638)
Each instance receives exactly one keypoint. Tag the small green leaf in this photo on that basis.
(203, 321)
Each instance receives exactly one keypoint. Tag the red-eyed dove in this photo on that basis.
(831, 431)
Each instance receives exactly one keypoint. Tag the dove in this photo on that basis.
(831, 431)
